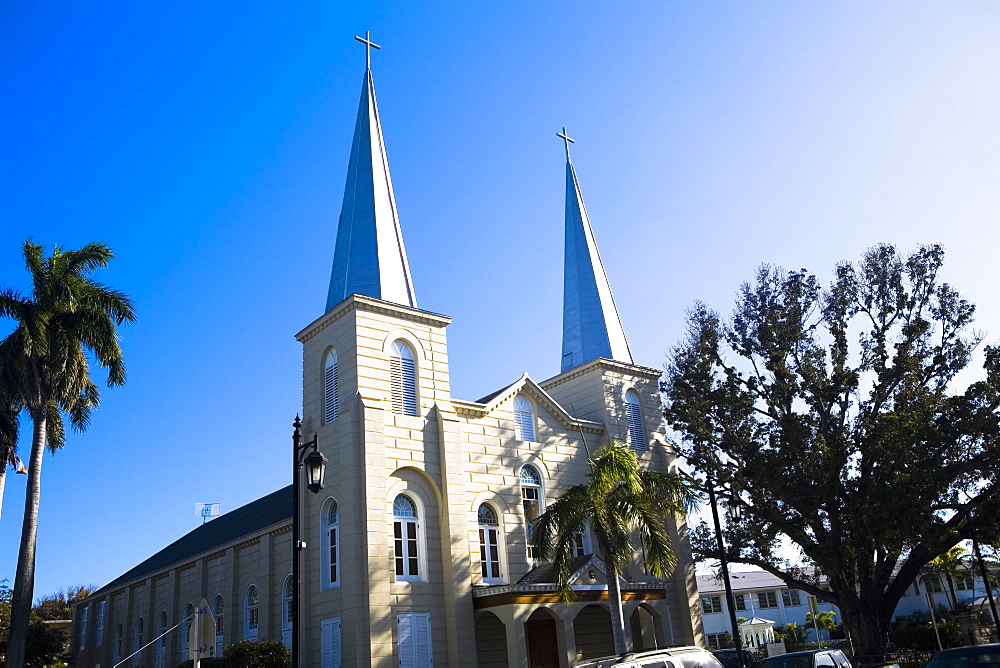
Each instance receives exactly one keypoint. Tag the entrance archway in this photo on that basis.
(642, 624)
(543, 644)
(491, 641)
(592, 631)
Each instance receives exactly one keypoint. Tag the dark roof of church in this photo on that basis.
(488, 397)
(224, 530)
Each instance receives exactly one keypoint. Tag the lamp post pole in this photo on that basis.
(724, 565)
(315, 464)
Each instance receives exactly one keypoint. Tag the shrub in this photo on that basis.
(260, 654)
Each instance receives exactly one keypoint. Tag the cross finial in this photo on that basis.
(566, 138)
(369, 45)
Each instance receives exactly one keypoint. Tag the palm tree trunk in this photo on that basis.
(24, 576)
(3, 481)
(617, 617)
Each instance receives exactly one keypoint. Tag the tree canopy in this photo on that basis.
(831, 418)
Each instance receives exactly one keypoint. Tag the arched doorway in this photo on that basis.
(592, 630)
(642, 624)
(543, 644)
(491, 641)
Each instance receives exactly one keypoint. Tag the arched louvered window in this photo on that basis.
(218, 609)
(331, 400)
(489, 543)
(403, 370)
(406, 538)
(524, 420)
(531, 501)
(251, 613)
(330, 555)
(636, 433)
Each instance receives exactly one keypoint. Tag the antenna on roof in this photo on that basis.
(206, 510)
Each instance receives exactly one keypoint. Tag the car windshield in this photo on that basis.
(800, 661)
(964, 659)
(730, 659)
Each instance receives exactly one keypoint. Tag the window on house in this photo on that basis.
(636, 432)
(330, 654)
(137, 645)
(489, 543)
(790, 597)
(251, 613)
(531, 501)
(710, 604)
(524, 420)
(406, 538)
(186, 630)
(99, 640)
(330, 556)
(965, 583)
(116, 647)
(581, 544)
(413, 631)
(932, 584)
(217, 611)
(767, 599)
(331, 400)
(287, 611)
(717, 640)
(84, 614)
(403, 372)
(741, 601)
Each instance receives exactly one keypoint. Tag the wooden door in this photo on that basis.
(543, 648)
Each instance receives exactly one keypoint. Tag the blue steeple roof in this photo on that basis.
(369, 258)
(591, 327)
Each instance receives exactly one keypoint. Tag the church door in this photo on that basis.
(414, 637)
(543, 648)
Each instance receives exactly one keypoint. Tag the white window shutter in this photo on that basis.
(331, 402)
(422, 639)
(330, 643)
(637, 434)
(414, 640)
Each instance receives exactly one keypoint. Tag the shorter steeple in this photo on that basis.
(591, 326)
(370, 258)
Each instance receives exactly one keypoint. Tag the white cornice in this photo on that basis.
(371, 305)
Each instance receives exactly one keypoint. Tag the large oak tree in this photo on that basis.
(832, 419)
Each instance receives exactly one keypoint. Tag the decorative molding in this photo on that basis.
(247, 543)
(281, 530)
(188, 566)
(525, 382)
(160, 576)
(498, 595)
(605, 365)
(216, 555)
(136, 585)
(371, 305)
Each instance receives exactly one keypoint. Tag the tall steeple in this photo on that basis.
(591, 327)
(369, 258)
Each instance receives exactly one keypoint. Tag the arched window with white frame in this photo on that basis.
(489, 543)
(531, 501)
(137, 642)
(406, 538)
(287, 611)
(330, 540)
(116, 647)
(161, 640)
(331, 391)
(403, 372)
(186, 630)
(636, 432)
(524, 420)
(218, 611)
(251, 613)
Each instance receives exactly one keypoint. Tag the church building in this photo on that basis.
(418, 548)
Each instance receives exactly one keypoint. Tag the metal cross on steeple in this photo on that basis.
(567, 140)
(369, 44)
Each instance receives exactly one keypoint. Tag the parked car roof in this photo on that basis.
(960, 657)
(679, 657)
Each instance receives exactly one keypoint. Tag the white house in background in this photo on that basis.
(757, 594)
(760, 594)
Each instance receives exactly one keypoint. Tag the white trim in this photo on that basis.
(325, 582)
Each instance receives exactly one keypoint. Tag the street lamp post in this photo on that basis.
(724, 565)
(315, 465)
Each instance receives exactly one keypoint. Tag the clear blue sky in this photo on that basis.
(207, 143)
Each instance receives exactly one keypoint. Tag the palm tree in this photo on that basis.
(617, 500)
(949, 564)
(824, 620)
(44, 366)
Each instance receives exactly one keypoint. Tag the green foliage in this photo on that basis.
(921, 637)
(260, 654)
(60, 604)
(826, 417)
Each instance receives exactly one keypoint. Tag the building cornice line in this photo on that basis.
(371, 305)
